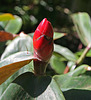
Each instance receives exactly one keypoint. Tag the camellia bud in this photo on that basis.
(43, 45)
(43, 40)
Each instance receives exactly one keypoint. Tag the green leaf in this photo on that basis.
(74, 79)
(37, 85)
(40, 87)
(19, 56)
(21, 43)
(57, 65)
(58, 35)
(12, 26)
(83, 26)
(6, 16)
(15, 92)
(13, 63)
(65, 52)
(79, 53)
(76, 94)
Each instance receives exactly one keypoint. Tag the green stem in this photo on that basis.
(80, 60)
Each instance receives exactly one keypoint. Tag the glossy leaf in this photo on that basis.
(21, 43)
(13, 63)
(57, 65)
(12, 26)
(37, 85)
(6, 16)
(58, 35)
(74, 79)
(76, 94)
(65, 52)
(40, 87)
(83, 26)
(15, 92)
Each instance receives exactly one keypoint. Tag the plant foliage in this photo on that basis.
(17, 77)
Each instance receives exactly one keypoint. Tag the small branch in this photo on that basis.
(80, 60)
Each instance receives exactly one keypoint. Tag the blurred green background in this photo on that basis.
(56, 11)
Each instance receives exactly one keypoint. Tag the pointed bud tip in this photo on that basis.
(45, 21)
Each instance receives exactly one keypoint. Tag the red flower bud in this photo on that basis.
(43, 40)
